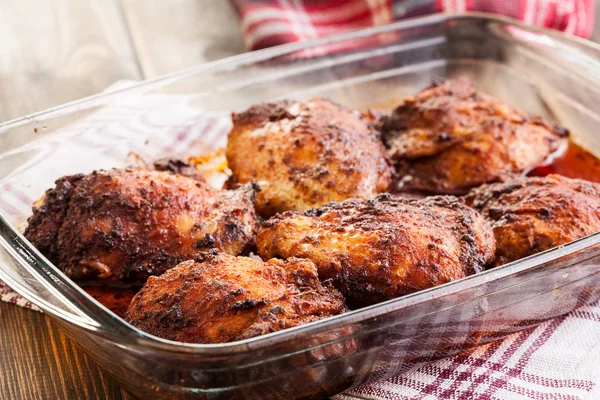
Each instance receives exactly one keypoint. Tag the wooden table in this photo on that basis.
(55, 51)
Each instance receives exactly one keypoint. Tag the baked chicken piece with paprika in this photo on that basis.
(221, 298)
(124, 225)
(375, 250)
(306, 153)
(449, 138)
(530, 215)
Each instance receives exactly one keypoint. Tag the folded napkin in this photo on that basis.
(268, 23)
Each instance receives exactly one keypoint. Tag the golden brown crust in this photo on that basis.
(530, 215)
(449, 138)
(305, 154)
(220, 298)
(383, 248)
(125, 225)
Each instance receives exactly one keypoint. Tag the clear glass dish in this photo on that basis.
(539, 71)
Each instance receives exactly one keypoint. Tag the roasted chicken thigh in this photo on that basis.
(449, 138)
(534, 214)
(221, 298)
(125, 225)
(305, 154)
(379, 249)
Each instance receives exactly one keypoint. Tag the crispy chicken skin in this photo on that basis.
(221, 298)
(449, 138)
(305, 154)
(383, 248)
(125, 225)
(534, 214)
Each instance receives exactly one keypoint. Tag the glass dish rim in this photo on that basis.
(129, 332)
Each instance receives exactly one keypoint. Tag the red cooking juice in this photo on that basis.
(575, 162)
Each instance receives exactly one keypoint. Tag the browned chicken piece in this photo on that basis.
(178, 167)
(450, 138)
(530, 215)
(384, 248)
(221, 298)
(305, 154)
(125, 225)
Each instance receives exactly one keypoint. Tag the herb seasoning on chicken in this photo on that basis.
(125, 225)
(534, 214)
(221, 298)
(384, 248)
(449, 138)
(305, 154)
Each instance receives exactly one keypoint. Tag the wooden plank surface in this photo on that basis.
(175, 34)
(54, 51)
(37, 361)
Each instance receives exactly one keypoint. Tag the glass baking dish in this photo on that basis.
(539, 71)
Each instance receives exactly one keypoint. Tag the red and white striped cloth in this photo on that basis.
(268, 23)
(559, 359)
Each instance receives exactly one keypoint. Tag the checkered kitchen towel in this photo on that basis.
(559, 359)
(268, 23)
